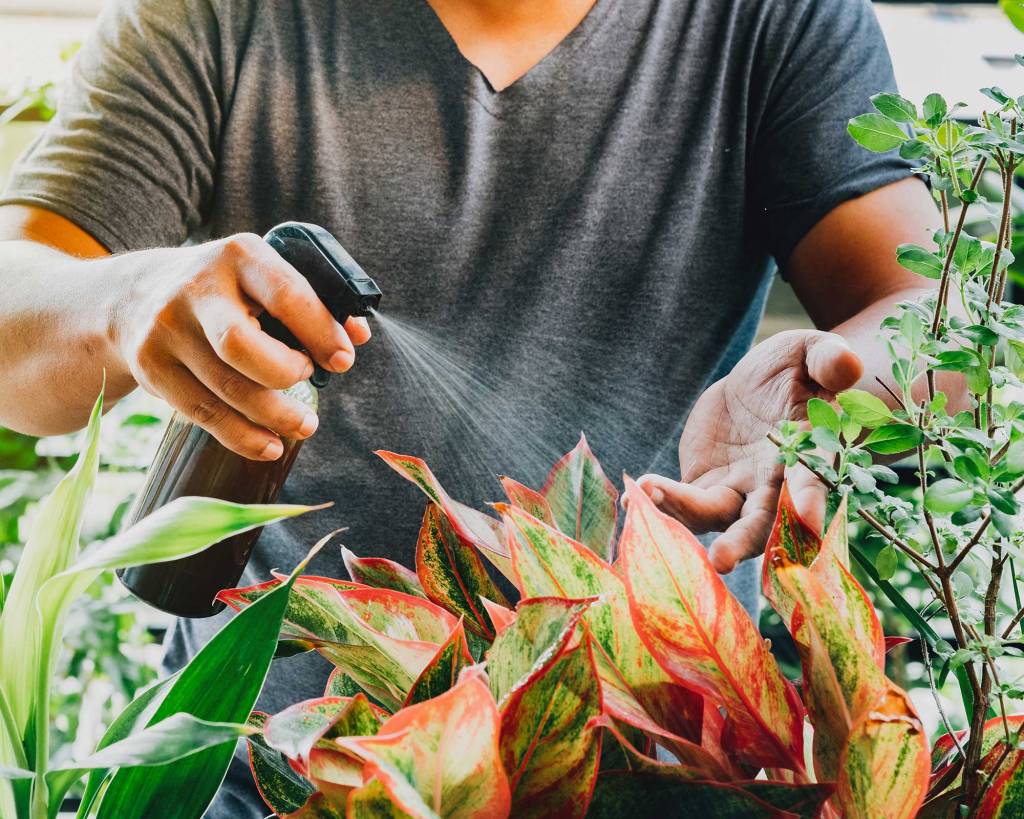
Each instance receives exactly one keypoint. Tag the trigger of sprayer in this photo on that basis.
(336, 278)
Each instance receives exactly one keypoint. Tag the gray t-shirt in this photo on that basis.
(585, 250)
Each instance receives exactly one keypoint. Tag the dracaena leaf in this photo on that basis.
(885, 764)
(381, 573)
(542, 629)
(452, 574)
(583, 502)
(51, 548)
(529, 500)
(442, 672)
(474, 526)
(549, 746)
(220, 684)
(700, 634)
(441, 757)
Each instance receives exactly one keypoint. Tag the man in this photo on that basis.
(581, 198)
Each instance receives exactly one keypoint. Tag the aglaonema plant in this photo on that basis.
(192, 719)
(960, 532)
(626, 681)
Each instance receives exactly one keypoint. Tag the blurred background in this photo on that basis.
(113, 642)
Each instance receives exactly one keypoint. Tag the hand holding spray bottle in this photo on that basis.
(191, 462)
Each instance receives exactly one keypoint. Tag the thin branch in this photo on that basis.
(938, 700)
(940, 302)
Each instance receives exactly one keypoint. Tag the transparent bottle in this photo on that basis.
(191, 462)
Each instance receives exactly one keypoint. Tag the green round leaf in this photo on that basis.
(895, 107)
(893, 439)
(919, 260)
(947, 496)
(822, 414)
(864, 408)
(886, 563)
(935, 109)
(876, 133)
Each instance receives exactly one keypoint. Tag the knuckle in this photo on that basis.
(234, 387)
(230, 344)
(209, 412)
(241, 246)
(284, 297)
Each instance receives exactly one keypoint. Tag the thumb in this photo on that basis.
(831, 363)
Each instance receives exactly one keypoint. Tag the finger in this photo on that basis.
(746, 538)
(269, 408)
(358, 330)
(182, 390)
(809, 495)
(708, 509)
(236, 337)
(287, 296)
(831, 363)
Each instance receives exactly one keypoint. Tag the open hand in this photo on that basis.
(730, 475)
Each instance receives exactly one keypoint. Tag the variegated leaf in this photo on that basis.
(796, 541)
(479, 529)
(1003, 768)
(279, 785)
(583, 501)
(701, 635)
(525, 650)
(884, 767)
(319, 806)
(371, 801)
(452, 574)
(381, 573)
(501, 617)
(442, 672)
(549, 747)
(529, 500)
(296, 730)
(441, 757)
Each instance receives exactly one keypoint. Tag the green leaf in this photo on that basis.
(1002, 500)
(174, 738)
(886, 562)
(919, 260)
(822, 414)
(895, 107)
(220, 684)
(876, 132)
(947, 496)
(893, 439)
(913, 149)
(864, 408)
(50, 549)
(1014, 10)
(935, 109)
(862, 479)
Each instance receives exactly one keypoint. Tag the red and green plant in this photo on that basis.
(626, 680)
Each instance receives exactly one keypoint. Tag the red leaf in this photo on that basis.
(701, 635)
(442, 672)
(381, 573)
(895, 642)
(583, 502)
(531, 502)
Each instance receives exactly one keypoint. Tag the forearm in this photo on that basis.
(864, 335)
(56, 337)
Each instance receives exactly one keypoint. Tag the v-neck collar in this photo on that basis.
(443, 46)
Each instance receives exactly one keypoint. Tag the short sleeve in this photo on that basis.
(129, 157)
(818, 64)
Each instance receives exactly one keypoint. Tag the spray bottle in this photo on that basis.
(190, 461)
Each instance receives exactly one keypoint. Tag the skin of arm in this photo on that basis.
(181, 322)
(845, 273)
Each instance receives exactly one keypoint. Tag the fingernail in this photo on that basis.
(272, 451)
(341, 361)
(309, 425)
(657, 496)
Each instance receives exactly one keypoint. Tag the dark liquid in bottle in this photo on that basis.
(192, 462)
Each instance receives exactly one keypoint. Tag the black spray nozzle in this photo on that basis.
(337, 279)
